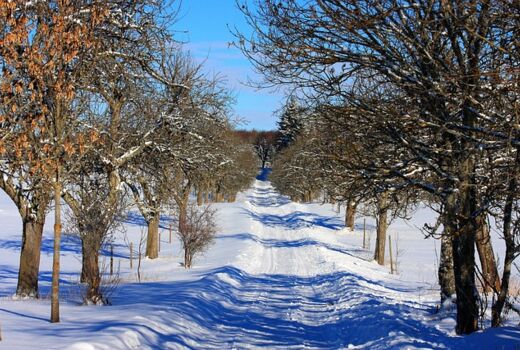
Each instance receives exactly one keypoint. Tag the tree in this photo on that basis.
(420, 75)
(264, 143)
(123, 76)
(93, 219)
(295, 174)
(185, 145)
(42, 49)
(31, 195)
(265, 146)
(198, 232)
(290, 123)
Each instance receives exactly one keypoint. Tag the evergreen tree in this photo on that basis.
(290, 124)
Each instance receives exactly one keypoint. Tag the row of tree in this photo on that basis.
(408, 101)
(99, 101)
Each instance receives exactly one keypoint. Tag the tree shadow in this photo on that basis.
(263, 175)
(69, 244)
(9, 276)
(276, 243)
(23, 315)
(268, 197)
(228, 308)
(297, 220)
(135, 218)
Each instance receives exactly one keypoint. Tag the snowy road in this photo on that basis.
(281, 275)
(313, 292)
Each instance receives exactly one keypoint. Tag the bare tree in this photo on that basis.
(93, 219)
(265, 147)
(198, 233)
(420, 75)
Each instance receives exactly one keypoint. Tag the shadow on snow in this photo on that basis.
(229, 308)
(136, 219)
(268, 197)
(263, 174)
(297, 220)
(69, 244)
(275, 243)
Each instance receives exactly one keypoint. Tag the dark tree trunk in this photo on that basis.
(350, 214)
(382, 217)
(467, 295)
(91, 245)
(464, 227)
(199, 198)
(183, 217)
(152, 240)
(93, 278)
(491, 280)
(446, 273)
(187, 259)
(30, 258)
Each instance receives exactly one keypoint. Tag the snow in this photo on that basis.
(280, 275)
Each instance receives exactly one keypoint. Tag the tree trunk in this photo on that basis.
(199, 198)
(464, 227)
(90, 273)
(183, 217)
(464, 267)
(491, 281)
(350, 214)
(30, 258)
(93, 279)
(187, 259)
(446, 273)
(55, 293)
(152, 240)
(382, 213)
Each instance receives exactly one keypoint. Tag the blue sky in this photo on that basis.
(204, 25)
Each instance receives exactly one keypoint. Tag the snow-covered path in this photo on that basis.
(313, 292)
(280, 275)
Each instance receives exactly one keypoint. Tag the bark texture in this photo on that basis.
(183, 218)
(446, 273)
(30, 258)
(382, 223)
(91, 242)
(350, 214)
(55, 290)
(490, 278)
(152, 240)
(463, 224)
